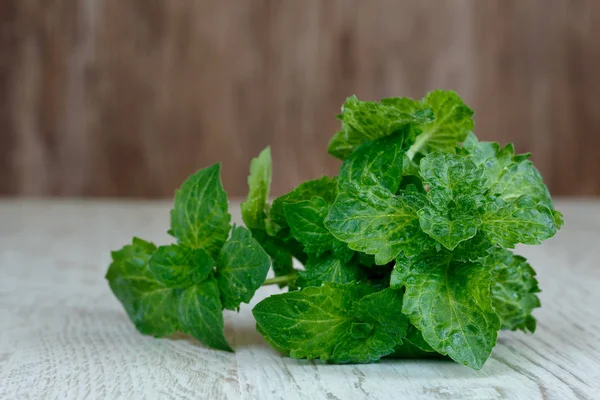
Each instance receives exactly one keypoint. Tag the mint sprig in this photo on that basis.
(406, 253)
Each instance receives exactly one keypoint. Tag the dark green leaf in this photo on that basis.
(162, 304)
(178, 266)
(200, 218)
(381, 157)
(514, 289)
(242, 267)
(325, 188)
(305, 219)
(328, 268)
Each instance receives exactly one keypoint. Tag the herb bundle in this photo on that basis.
(406, 252)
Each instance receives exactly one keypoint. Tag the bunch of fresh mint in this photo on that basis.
(405, 252)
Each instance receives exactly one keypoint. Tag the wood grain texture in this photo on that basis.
(127, 98)
(65, 336)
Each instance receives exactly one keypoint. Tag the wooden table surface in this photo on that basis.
(64, 335)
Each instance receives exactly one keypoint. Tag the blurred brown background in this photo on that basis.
(128, 97)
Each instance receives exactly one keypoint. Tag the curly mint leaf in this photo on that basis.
(330, 269)
(242, 267)
(508, 175)
(514, 290)
(453, 121)
(200, 218)
(461, 203)
(161, 304)
(519, 221)
(254, 209)
(335, 323)
(381, 157)
(456, 192)
(369, 120)
(372, 220)
(450, 302)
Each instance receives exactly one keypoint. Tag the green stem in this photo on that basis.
(285, 279)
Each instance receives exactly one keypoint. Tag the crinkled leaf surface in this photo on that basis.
(450, 302)
(453, 121)
(514, 290)
(456, 188)
(369, 120)
(372, 220)
(461, 203)
(242, 267)
(200, 218)
(161, 304)
(337, 323)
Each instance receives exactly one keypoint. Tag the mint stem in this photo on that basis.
(285, 279)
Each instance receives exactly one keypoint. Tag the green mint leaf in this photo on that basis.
(330, 269)
(456, 191)
(369, 120)
(514, 290)
(414, 346)
(276, 248)
(325, 188)
(242, 267)
(453, 121)
(159, 303)
(519, 221)
(450, 302)
(381, 157)
(177, 266)
(201, 314)
(372, 220)
(336, 323)
(305, 219)
(462, 203)
(254, 209)
(200, 218)
(509, 176)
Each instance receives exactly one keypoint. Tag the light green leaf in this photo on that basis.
(200, 218)
(160, 304)
(242, 267)
(381, 157)
(519, 221)
(369, 120)
(336, 323)
(450, 302)
(514, 289)
(509, 176)
(372, 220)
(254, 209)
(330, 269)
(453, 121)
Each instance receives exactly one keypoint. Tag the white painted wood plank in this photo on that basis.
(63, 335)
